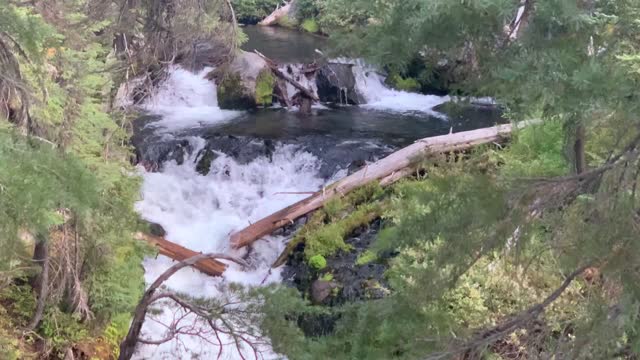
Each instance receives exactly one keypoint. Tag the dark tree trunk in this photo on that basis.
(40, 282)
(579, 149)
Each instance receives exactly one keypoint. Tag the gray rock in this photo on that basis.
(321, 290)
(337, 84)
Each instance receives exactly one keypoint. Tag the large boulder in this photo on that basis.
(337, 84)
(244, 83)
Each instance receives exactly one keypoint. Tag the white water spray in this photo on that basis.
(199, 212)
(380, 97)
(187, 100)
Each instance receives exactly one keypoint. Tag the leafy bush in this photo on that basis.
(252, 11)
(307, 9)
(404, 84)
(310, 25)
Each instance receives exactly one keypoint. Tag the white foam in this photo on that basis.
(187, 100)
(199, 212)
(380, 97)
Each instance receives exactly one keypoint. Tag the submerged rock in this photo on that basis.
(203, 166)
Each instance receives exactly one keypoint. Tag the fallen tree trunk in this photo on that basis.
(276, 15)
(387, 171)
(176, 252)
(274, 68)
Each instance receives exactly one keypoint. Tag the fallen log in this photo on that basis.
(387, 171)
(176, 252)
(274, 68)
(276, 15)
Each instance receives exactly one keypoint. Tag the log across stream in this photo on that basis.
(387, 171)
(209, 173)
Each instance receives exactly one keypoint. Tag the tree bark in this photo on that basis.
(579, 149)
(276, 15)
(388, 170)
(40, 283)
(176, 252)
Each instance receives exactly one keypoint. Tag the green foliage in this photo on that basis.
(287, 22)
(264, 87)
(307, 9)
(252, 11)
(21, 303)
(404, 84)
(317, 262)
(62, 329)
(36, 181)
(310, 25)
(536, 150)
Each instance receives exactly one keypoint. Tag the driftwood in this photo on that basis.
(276, 15)
(387, 171)
(274, 68)
(176, 252)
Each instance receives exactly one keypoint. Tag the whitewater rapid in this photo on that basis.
(201, 211)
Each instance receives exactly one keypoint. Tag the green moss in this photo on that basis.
(333, 208)
(327, 277)
(366, 257)
(318, 262)
(326, 230)
(404, 84)
(366, 193)
(264, 87)
(329, 239)
(310, 25)
(232, 94)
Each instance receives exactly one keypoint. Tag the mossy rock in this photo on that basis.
(233, 95)
(265, 84)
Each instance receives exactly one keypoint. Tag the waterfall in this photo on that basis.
(186, 100)
(199, 212)
(378, 96)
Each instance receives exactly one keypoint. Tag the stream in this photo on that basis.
(209, 172)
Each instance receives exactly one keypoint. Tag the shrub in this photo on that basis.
(310, 25)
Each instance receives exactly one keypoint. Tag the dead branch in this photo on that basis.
(274, 68)
(128, 345)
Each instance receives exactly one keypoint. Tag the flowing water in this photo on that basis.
(304, 153)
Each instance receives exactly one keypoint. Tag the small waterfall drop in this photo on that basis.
(186, 100)
(380, 97)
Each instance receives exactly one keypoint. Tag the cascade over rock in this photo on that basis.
(337, 84)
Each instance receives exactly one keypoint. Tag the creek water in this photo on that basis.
(243, 185)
